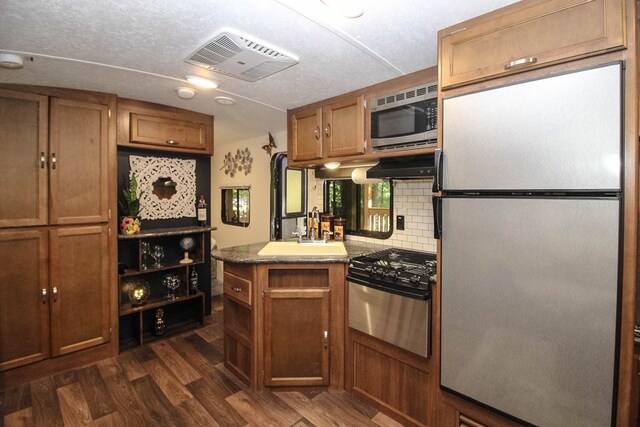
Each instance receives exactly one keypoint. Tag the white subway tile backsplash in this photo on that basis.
(411, 199)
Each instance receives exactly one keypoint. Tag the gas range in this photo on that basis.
(400, 271)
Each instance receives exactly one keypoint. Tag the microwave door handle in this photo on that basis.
(437, 179)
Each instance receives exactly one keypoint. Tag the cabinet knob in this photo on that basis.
(172, 142)
(317, 132)
(327, 130)
(54, 291)
(237, 289)
(44, 295)
(521, 61)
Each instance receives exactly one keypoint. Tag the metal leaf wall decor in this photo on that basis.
(241, 161)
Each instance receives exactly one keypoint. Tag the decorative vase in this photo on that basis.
(138, 291)
(130, 225)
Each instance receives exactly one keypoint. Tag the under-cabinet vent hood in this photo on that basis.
(240, 56)
(409, 167)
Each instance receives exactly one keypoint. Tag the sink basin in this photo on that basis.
(303, 249)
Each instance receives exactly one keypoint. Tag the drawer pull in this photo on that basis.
(54, 161)
(44, 295)
(521, 61)
(172, 142)
(55, 294)
(327, 130)
(237, 289)
(43, 160)
(317, 132)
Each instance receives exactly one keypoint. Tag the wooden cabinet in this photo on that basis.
(402, 384)
(185, 309)
(159, 127)
(239, 321)
(60, 163)
(527, 35)
(48, 289)
(284, 324)
(455, 412)
(299, 316)
(336, 129)
(56, 288)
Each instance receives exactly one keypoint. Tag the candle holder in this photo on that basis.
(138, 291)
(186, 244)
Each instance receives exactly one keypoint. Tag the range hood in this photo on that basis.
(409, 167)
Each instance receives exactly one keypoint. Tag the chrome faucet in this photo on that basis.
(315, 219)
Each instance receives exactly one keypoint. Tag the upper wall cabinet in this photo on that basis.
(332, 130)
(526, 35)
(158, 127)
(55, 145)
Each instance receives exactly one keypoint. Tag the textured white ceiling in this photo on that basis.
(136, 48)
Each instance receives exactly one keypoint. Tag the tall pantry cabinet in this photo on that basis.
(55, 246)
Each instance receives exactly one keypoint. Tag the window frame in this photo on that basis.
(236, 207)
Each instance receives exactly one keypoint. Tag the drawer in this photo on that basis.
(237, 288)
(529, 34)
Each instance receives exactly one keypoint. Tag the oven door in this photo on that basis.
(396, 319)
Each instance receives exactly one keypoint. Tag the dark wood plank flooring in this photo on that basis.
(180, 381)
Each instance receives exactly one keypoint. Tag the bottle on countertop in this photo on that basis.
(202, 211)
(193, 282)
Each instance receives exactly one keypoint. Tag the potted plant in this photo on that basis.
(130, 207)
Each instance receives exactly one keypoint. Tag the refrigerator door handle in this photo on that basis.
(437, 179)
(437, 216)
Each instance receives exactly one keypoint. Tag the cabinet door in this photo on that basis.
(529, 35)
(79, 265)
(344, 127)
(296, 331)
(24, 304)
(306, 134)
(167, 132)
(78, 162)
(23, 151)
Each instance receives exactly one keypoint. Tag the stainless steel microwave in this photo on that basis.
(406, 119)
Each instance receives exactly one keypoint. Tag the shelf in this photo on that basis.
(163, 232)
(153, 270)
(126, 309)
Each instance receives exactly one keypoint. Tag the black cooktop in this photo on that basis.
(400, 271)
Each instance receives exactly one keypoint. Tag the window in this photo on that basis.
(368, 208)
(235, 206)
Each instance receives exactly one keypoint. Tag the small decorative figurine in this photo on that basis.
(160, 326)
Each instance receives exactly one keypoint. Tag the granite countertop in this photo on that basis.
(249, 254)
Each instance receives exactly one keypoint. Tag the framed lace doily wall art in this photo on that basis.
(167, 185)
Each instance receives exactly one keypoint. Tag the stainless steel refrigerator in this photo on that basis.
(531, 231)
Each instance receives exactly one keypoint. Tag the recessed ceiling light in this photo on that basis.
(202, 82)
(224, 100)
(185, 92)
(11, 61)
(332, 165)
(346, 8)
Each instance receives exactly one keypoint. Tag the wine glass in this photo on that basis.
(158, 255)
(146, 251)
(171, 282)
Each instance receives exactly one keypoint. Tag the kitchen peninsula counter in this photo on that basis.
(248, 254)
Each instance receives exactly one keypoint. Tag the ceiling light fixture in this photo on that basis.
(224, 100)
(202, 82)
(346, 8)
(185, 92)
(11, 61)
(332, 165)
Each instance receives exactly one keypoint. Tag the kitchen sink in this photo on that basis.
(303, 249)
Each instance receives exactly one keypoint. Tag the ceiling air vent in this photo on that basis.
(240, 57)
